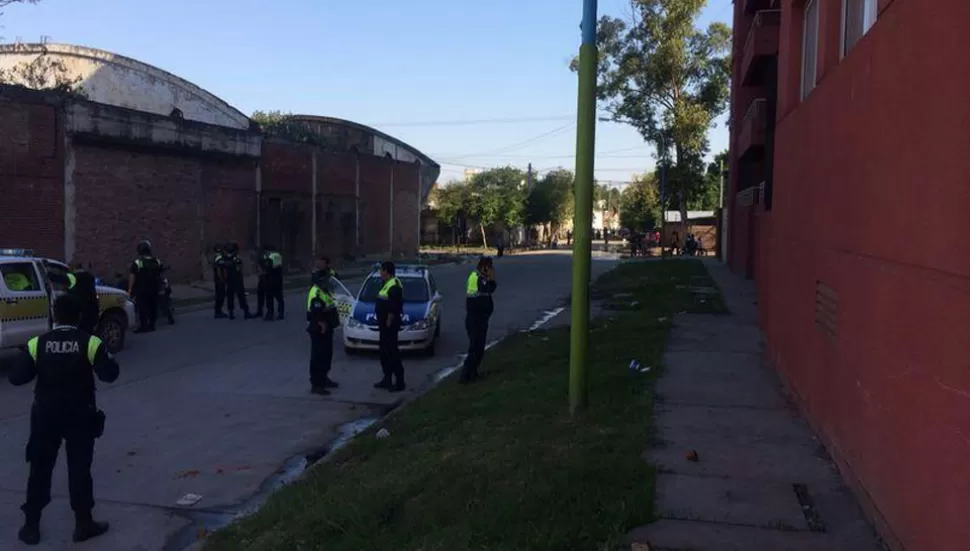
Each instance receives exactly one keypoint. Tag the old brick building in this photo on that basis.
(84, 180)
(850, 184)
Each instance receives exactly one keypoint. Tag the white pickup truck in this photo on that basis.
(26, 293)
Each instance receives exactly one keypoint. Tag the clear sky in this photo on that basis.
(392, 64)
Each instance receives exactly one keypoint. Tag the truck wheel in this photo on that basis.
(112, 330)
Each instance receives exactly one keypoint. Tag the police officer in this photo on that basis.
(81, 285)
(274, 283)
(322, 320)
(235, 289)
(262, 290)
(389, 308)
(144, 276)
(478, 309)
(219, 280)
(324, 264)
(64, 362)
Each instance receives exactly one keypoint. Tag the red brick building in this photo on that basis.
(849, 186)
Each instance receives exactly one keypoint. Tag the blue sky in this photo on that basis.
(386, 63)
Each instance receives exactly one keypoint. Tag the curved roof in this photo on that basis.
(125, 82)
(367, 131)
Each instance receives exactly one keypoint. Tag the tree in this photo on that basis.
(640, 204)
(43, 73)
(551, 200)
(497, 197)
(278, 124)
(667, 79)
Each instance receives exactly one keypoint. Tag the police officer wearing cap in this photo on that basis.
(144, 277)
(478, 309)
(322, 320)
(64, 362)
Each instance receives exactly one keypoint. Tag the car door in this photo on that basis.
(434, 310)
(345, 301)
(24, 308)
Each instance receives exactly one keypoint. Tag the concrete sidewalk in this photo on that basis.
(760, 479)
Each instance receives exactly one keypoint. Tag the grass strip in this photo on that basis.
(501, 465)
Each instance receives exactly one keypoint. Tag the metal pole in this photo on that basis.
(720, 195)
(663, 205)
(583, 216)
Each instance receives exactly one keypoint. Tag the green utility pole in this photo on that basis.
(583, 217)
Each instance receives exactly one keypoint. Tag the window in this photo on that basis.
(57, 274)
(810, 48)
(20, 277)
(858, 16)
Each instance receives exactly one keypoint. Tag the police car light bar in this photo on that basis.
(16, 252)
(405, 267)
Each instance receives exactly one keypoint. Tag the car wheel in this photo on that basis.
(112, 330)
(437, 330)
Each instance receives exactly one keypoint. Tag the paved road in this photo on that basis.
(216, 407)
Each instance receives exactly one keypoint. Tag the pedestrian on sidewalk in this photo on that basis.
(219, 280)
(389, 309)
(478, 309)
(322, 320)
(64, 362)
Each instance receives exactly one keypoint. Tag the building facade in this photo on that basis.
(146, 154)
(849, 184)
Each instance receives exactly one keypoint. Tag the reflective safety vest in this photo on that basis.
(60, 347)
(471, 289)
(17, 282)
(317, 293)
(71, 281)
(386, 289)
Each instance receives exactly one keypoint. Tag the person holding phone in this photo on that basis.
(478, 310)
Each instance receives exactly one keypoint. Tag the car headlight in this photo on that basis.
(352, 322)
(418, 325)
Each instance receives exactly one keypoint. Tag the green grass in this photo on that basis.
(500, 465)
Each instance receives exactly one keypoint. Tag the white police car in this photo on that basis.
(420, 323)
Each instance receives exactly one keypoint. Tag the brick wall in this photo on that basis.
(182, 203)
(407, 211)
(32, 177)
(375, 198)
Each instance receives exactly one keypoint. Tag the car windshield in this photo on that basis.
(415, 289)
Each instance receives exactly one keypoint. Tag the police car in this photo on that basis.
(26, 293)
(420, 322)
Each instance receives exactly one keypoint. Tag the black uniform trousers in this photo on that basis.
(321, 357)
(270, 289)
(236, 290)
(390, 354)
(476, 326)
(146, 303)
(220, 293)
(48, 426)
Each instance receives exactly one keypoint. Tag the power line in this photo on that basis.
(511, 120)
(534, 139)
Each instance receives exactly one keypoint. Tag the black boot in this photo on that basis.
(30, 532)
(330, 383)
(221, 315)
(398, 385)
(319, 391)
(85, 527)
(384, 383)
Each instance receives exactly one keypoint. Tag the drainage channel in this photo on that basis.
(207, 521)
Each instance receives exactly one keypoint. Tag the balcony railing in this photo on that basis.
(761, 42)
(752, 126)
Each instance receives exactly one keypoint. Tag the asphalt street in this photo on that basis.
(216, 407)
